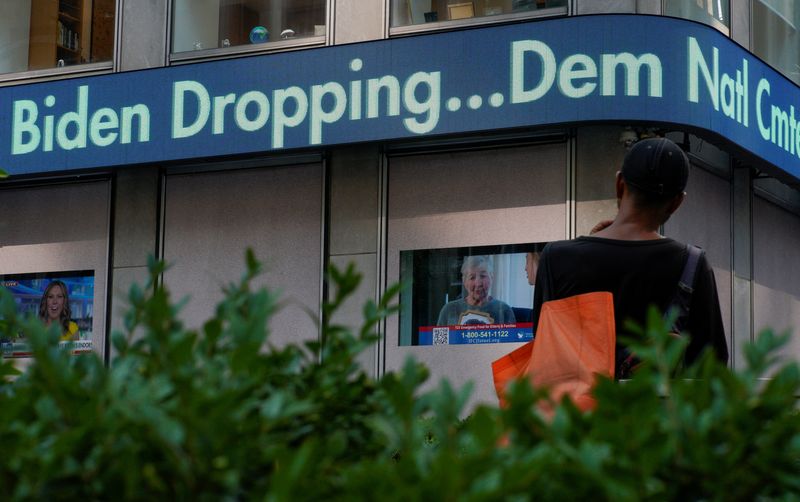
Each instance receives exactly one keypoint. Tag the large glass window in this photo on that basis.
(775, 38)
(42, 34)
(39, 245)
(409, 12)
(712, 12)
(211, 24)
(494, 201)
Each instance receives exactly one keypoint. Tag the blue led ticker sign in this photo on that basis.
(540, 73)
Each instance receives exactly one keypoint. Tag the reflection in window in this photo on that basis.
(211, 24)
(712, 12)
(408, 12)
(41, 34)
(775, 39)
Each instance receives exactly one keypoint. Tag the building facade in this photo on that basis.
(400, 135)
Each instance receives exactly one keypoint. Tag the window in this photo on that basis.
(450, 201)
(235, 216)
(775, 39)
(42, 34)
(211, 24)
(715, 13)
(70, 244)
(414, 12)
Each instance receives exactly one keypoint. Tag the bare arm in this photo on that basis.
(601, 225)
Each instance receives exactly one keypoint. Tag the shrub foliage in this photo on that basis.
(222, 414)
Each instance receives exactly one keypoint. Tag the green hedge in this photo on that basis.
(221, 414)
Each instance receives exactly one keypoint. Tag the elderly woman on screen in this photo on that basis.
(476, 306)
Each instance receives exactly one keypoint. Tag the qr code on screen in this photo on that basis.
(441, 336)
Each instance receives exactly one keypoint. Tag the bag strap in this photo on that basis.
(680, 303)
(683, 294)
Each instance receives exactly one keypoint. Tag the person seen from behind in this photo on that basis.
(631, 259)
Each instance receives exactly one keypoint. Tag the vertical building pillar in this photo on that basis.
(354, 230)
(740, 22)
(358, 20)
(142, 36)
(135, 236)
(742, 231)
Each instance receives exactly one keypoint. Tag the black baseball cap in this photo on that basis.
(656, 166)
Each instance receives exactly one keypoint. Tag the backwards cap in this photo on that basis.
(656, 166)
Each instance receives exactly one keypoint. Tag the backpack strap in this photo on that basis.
(683, 293)
(626, 361)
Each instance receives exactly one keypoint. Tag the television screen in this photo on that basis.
(64, 298)
(468, 295)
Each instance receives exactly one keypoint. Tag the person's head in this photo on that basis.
(476, 276)
(655, 172)
(531, 266)
(54, 305)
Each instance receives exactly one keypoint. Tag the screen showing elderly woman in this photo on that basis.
(473, 295)
(476, 306)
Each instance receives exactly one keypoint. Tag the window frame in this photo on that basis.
(716, 24)
(175, 58)
(48, 74)
(413, 29)
(72, 71)
(752, 41)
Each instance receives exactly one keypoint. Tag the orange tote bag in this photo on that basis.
(575, 342)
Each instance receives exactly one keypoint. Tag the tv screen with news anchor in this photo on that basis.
(63, 299)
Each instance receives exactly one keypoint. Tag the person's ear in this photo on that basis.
(676, 202)
(619, 185)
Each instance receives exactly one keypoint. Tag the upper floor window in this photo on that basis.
(212, 24)
(715, 13)
(417, 12)
(42, 34)
(775, 40)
